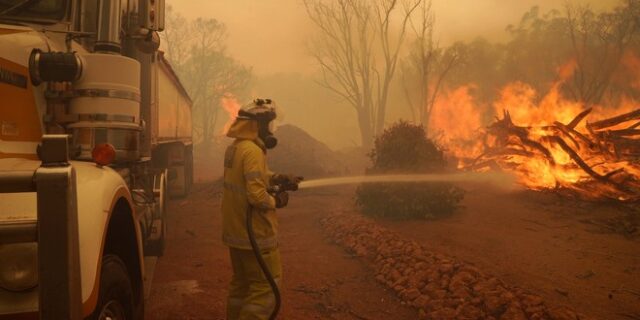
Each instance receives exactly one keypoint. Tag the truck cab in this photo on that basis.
(83, 88)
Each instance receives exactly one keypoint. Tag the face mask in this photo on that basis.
(270, 141)
(264, 120)
(264, 131)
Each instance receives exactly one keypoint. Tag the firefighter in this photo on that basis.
(246, 183)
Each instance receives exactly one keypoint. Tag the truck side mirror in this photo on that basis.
(152, 14)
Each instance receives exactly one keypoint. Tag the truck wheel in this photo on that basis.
(115, 300)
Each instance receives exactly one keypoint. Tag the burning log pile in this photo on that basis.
(597, 160)
(440, 287)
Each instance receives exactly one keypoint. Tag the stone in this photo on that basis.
(444, 281)
(453, 302)
(471, 270)
(469, 312)
(443, 314)
(401, 281)
(530, 300)
(513, 312)
(430, 288)
(509, 296)
(481, 286)
(411, 294)
(422, 301)
(435, 304)
(422, 315)
(407, 271)
(395, 275)
(440, 294)
(446, 268)
(433, 276)
(463, 278)
(495, 305)
(461, 293)
(530, 311)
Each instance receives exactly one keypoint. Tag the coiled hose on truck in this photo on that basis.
(263, 264)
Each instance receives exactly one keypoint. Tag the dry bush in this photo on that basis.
(404, 148)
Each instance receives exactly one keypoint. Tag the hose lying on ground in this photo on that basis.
(263, 264)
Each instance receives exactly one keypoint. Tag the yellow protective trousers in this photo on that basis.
(250, 296)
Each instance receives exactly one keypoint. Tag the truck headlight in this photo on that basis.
(19, 266)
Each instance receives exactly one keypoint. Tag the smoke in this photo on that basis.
(271, 36)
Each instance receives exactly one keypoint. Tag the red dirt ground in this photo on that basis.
(550, 245)
(321, 281)
(531, 240)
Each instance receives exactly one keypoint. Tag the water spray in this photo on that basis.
(496, 179)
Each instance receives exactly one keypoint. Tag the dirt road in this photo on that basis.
(321, 281)
(530, 240)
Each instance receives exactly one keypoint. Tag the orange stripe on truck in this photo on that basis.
(4, 31)
(19, 116)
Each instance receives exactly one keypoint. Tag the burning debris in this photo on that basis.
(595, 160)
(548, 142)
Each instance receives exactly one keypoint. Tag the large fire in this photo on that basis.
(548, 142)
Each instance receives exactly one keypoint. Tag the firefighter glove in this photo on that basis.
(282, 199)
(288, 182)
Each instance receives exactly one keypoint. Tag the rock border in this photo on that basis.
(438, 286)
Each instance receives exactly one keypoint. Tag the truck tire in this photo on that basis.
(115, 300)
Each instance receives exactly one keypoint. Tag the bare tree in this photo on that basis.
(196, 51)
(352, 34)
(424, 70)
(215, 76)
(598, 44)
(176, 38)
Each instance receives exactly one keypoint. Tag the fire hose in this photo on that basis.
(274, 190)
(263, 264)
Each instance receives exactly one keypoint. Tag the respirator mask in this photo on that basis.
(264, 113)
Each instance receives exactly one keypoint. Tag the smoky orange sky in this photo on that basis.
(271, 35)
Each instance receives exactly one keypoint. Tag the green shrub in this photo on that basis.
(404, 148)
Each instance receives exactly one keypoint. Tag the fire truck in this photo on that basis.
(95, 135)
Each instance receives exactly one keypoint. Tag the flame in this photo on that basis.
(536, 138)
(231, 106)
(455, 122)
(520, 99)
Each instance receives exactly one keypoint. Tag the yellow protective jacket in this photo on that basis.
(246, 178)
